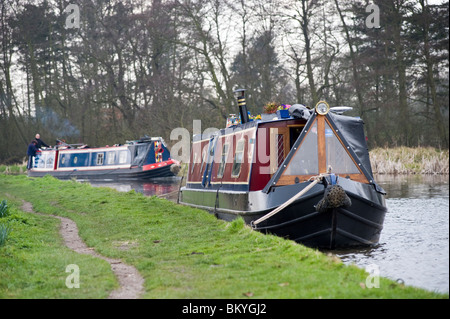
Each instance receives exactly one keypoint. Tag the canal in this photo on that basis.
(414, 243)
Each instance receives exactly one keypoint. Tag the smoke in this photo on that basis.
(53, 123)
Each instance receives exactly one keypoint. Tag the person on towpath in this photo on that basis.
(31, 152)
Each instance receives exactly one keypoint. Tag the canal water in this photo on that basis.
(414, 243)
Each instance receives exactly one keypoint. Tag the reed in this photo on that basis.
(408, 160)
(3, 209)
(5, 228)
(15, 169)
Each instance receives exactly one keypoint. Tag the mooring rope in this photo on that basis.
(315, 179)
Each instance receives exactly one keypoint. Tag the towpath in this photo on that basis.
(130, 281)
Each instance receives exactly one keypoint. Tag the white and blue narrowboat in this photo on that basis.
(306, 177)
(141, 159)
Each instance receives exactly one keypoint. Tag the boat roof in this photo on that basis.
(225, 131)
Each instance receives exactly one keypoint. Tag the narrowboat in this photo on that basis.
(141, 159)
(306, 176)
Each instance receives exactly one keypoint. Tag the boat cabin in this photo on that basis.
(259, 155)
(71, 160)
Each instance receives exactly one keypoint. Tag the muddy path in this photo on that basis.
(130, 281)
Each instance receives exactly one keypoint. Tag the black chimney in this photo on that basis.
(240, 95)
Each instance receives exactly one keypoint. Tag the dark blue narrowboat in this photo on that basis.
(141, 159)
(306, 176)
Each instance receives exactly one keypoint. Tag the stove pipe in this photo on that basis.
(240, 95)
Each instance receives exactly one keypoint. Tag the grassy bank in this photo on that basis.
(180, 251)
(408, 160)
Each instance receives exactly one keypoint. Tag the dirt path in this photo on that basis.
(131, 282)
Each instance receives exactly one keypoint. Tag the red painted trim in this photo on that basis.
(157, 165)
(56, 163)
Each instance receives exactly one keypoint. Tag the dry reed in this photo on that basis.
(407, 160)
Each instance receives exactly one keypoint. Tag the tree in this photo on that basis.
(428, 29)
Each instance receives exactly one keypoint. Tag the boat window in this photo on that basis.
(238, 157)
(50, 160)
(305, 160)
(110, 158)
(194, 162)
(100, 157)
(251, 147)
(123, 155)
(204, 155)
(41, 160)
(223, 160)
(140, 152)
(337, 156)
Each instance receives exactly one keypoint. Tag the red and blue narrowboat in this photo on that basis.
(306, 177)
(141, 159)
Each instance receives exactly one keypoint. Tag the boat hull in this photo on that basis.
(357, 225)
(136, 173)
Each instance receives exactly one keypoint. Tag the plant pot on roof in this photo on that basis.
(283, 111)
(270, 111)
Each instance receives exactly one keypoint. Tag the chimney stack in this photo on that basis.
(240, 95)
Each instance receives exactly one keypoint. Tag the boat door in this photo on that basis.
(278, 147)
(209, 161)
(281, 141)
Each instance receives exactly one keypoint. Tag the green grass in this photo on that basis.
(181, 252)
(34, 260)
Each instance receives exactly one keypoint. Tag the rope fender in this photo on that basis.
(333, 197)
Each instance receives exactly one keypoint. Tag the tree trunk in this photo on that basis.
(440, 126)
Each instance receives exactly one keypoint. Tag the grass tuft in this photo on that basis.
(3, 209)
(5, 229)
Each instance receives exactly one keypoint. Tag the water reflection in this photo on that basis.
(414, 243)
(162, 187)
(414, 186)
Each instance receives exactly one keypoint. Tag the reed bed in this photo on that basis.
(13, 169)
(408, 160)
